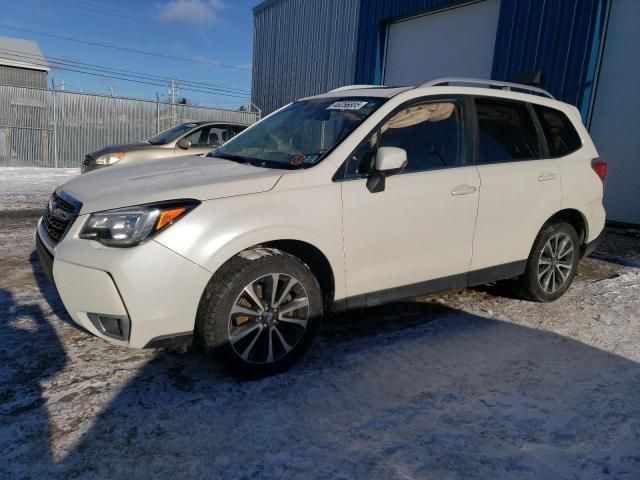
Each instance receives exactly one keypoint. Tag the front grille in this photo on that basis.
(87, 160)
(59, 216)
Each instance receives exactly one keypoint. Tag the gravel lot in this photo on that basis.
(469, 384)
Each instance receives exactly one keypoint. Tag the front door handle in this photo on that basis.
(464, 190)
(546, 176)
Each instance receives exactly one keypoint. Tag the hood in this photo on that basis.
(125, 147)
(201, 178)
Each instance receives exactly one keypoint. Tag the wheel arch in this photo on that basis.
(576, 219)
(309, 254)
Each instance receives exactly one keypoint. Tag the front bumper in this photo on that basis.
(154, 288)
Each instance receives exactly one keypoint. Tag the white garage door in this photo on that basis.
(615, 125)
(455, 42)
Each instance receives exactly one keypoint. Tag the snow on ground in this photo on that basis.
(469, 384)
(30, 187)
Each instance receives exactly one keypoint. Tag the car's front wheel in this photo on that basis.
(260, 312)
(552, 264)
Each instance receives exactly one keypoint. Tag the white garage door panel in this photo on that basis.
(614, 125)
(456, 42)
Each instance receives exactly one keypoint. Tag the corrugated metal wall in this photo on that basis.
(43, 128)
(301, 48)
(559, 37)
(22, 77)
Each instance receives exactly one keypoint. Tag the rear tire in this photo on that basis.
(552, 264)
(260, 312)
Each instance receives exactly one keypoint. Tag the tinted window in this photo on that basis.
(561, 137)
(507, 131)
(432, 134)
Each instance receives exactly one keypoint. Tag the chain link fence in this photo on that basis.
(48, 128)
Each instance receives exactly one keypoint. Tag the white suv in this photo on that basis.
(360, 196)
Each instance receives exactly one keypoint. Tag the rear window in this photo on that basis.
(506, 131)
(559, 132)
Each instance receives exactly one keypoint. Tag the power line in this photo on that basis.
(104, 75)
(118, 71)
(125, 49)
(96, 11)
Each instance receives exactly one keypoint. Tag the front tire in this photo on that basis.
(259, 314)
(552, 264)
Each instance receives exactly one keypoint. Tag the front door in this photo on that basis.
(417, 234)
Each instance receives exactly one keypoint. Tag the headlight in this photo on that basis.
(126, 227)
(110, 158)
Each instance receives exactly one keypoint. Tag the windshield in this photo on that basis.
(171, 134)
(301, 134)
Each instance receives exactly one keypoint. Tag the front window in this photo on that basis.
(171, 134)
(431, 132)
(301, 134)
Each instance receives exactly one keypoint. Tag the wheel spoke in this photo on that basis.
(296, 321)
(242, 332)
(567, 266)
(546, 280)
(295, 304)
(254, 297)
(543, 261)
(275, 279)
(284, 343)
(543, 272)
(292, 282)
(238, 309)
(563, 275)
(566, 253)
(247, 351)
(270, 354)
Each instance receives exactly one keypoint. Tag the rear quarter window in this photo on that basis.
(560, 134)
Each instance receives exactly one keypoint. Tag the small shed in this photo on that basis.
(22, 63)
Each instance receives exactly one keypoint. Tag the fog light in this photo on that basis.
(114, 326)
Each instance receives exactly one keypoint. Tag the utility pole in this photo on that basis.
(55, 123)
(62, 85)
(173, 91)
(112, 91)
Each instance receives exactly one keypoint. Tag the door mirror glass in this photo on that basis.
(391, 159)
(184, 143)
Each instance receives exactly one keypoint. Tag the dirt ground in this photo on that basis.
(467, 384)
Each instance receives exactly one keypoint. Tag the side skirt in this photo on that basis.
(452, 282)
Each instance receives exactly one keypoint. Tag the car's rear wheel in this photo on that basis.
(260, 312)
(552, 264)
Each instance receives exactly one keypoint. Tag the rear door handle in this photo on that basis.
(546, 176)
(464, 190)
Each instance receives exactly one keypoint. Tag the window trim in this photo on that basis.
(341, 173)
(542, 146)
(546, 141)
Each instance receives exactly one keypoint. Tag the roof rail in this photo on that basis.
(478, 82)
(354, 87)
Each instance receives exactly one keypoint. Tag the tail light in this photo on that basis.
(601, 167)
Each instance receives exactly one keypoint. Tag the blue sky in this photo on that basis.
(218, 31)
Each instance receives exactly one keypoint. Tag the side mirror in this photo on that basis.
(184, 143)
(389, 161)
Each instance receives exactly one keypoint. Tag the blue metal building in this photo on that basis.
(586, 53)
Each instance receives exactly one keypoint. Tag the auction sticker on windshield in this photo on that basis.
(347, 105)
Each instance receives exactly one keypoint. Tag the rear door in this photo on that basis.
(519, 188)
(416, 235)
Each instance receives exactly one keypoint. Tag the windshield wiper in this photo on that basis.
(233, 158)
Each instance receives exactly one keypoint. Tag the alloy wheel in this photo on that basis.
(268, 318)
(556, 262)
